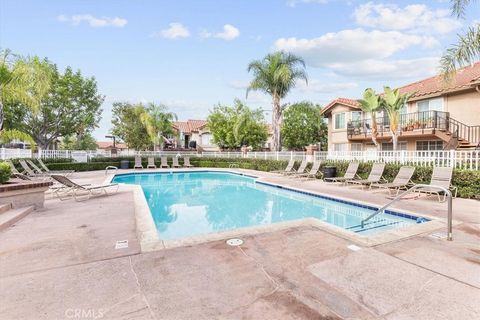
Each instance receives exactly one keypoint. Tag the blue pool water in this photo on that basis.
(197, 203)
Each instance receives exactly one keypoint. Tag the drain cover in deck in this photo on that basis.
(234, 242)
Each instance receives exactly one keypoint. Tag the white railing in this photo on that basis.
(452, 158)
(449, 158)
(6, 153)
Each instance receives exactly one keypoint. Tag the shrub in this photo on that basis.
(5, 172)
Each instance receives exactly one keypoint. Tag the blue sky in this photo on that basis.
(193, 54)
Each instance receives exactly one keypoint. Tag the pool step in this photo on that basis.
(11, 216)
(5, 207)
(373, 225)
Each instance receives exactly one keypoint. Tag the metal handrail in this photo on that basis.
(449, 202)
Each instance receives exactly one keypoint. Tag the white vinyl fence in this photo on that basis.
(449, 158)
(458, 159)
(6, 153)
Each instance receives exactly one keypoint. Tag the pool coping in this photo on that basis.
(149, 239)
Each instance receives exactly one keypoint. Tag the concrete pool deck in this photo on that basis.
(61, 263)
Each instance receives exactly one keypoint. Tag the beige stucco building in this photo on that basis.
(439, 116)
(194, 130)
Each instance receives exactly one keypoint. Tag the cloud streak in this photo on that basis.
(175, 30)
(92, 21)
(229, 33)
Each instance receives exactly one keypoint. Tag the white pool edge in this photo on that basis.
(149, 239)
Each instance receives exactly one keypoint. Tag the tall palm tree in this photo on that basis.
(24, 80)
(370, 103)
(392, 102)
(275, 75)
(158, 122)
(467, 48)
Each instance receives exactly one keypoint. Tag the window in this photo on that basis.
(430, 105)
(339, 121)
(430, 145)
(339, 147)
(356, 116)
(356, 147)
(206, 139)
(388, 146)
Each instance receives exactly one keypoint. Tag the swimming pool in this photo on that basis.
(185, 204)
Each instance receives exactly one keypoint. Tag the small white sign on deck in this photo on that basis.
(121, 244)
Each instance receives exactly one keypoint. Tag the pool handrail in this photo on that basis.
(415, 187)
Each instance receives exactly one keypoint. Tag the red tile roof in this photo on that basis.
(464, 78)
(189, 126)
(345, 101)
(109, 145)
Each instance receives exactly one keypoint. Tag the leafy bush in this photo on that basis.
(5, 172)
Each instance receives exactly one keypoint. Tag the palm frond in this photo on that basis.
(459, 7)
(464, 52)
(7, 136)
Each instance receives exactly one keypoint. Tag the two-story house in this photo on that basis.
(194, 130)
(440, 115)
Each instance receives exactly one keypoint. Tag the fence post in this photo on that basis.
(2, 154)
(277, 155)
(452, 159)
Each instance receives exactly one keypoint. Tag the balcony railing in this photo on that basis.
(417, 121)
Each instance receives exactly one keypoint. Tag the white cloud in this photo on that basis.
(93, 21)
(293, 3)
(318, 86)
(351, 45)
(414, 17)
(388, 70)
(229, 33)
(175, 30)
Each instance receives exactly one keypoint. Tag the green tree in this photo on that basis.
(72, 106)
(276, 75)
(303, 125)
(22, 80)
(128, 126)
(159, 123)
(237, 126)
(82, 142)
(371, 103)
(392, 102)
(467, 48)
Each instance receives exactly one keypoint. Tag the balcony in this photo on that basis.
(424, 123)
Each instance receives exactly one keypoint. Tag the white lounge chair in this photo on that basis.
(138, 163)
(375, 176)
(288, 168)
(175, 163)
(46, 170)
(441, 177)
(164, 162)
(312, 174)
(75, 190)
(29, 170)
(350, 174)
(301, 169)
(186, 162)
(402, 181)
(151, 163)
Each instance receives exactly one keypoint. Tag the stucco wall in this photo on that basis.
(464, 107)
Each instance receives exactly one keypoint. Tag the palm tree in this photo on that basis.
(158, 122)
(24, 80)
(370, 103)
(392, 102)
(275, 75)
(467, 48)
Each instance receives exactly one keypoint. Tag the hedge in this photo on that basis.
(467, 181)
(5, 172)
